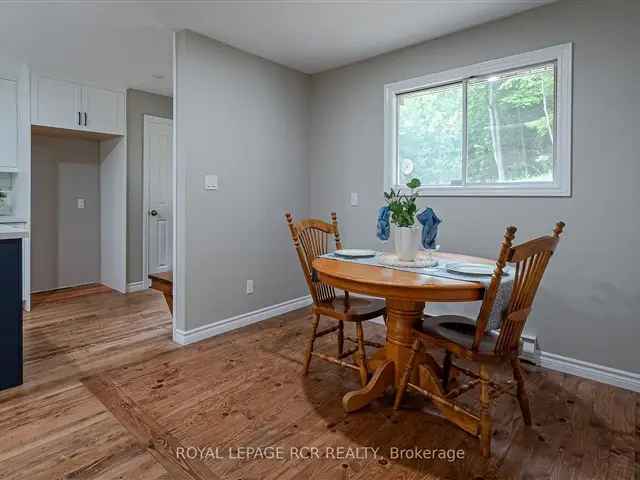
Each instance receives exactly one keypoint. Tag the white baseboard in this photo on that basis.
(136, 286)
(216, 328)
(552, 361)
(592, 371)
(580, 368)
(71, 285)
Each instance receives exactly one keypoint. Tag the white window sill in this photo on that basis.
(492, 191)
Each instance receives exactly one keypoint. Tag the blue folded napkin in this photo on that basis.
(430, 222)
(384, 227)
(427, 218)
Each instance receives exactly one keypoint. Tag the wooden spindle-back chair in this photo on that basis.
(463, 338)
(311, 239)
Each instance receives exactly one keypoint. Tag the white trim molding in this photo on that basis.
(562, 55)
(137, 286)
(179, 168)
(551, 361)
(222, 326)
(579, 368)
(592, 371)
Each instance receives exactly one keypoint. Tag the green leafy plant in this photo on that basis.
(402, 206)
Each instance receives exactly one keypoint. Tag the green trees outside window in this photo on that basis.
(490, 130)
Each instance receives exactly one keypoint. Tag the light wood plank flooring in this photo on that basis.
(53, 427)
(108, 395)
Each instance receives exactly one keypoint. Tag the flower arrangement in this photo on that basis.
(401, 210)
(403, 207)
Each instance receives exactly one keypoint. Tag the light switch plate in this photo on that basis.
(249, 287)
(210, 182)
(354, 199)
(80, 202)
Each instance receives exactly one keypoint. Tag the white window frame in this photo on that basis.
(562, 55)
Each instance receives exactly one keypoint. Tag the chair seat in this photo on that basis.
(357, 309)
(457, 330)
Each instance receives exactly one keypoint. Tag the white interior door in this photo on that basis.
(158, 133)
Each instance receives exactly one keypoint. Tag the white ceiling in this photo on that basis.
(123, 44)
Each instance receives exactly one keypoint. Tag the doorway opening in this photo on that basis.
(157, 204)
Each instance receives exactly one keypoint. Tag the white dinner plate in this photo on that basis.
(355, 253)
(471, 268)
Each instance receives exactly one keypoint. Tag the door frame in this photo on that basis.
(147, 119)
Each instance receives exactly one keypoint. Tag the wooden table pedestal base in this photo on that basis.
(388, 363)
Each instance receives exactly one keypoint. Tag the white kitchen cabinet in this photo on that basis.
(8, 125)
(56, 103)
(61, 104)
(103, 110)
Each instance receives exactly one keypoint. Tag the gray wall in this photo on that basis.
(245, 119)
(138, 104)
(589, 302)
(65, 240)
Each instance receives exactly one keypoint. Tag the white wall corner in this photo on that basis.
(212, 329)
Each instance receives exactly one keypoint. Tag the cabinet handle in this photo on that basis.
(85, 119)
(79, 118)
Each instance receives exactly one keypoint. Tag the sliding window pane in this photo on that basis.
(511, 126)
(430, 136)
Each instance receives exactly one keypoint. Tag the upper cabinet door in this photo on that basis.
(56, 103)
(8, 125)
(104, 111)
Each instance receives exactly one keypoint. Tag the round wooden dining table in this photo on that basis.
(406, 294)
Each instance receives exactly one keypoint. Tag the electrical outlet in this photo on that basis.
(249, 287)
(354, 199)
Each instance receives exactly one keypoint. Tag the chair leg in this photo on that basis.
(312, 339)
(362, 359)
(523, 399)
(340, 338)
(446, 370)
(485, 413)
(404, 381)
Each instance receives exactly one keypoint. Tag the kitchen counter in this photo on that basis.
(9, 232)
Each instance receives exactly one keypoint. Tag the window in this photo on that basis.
(499, 128)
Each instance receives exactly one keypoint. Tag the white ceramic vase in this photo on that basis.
(407, 241)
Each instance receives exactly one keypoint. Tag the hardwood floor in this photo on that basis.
(108, 395)
(53, 296)
(72, 333)
(53, 426)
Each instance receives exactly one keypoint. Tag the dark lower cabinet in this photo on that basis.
(10, 313)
